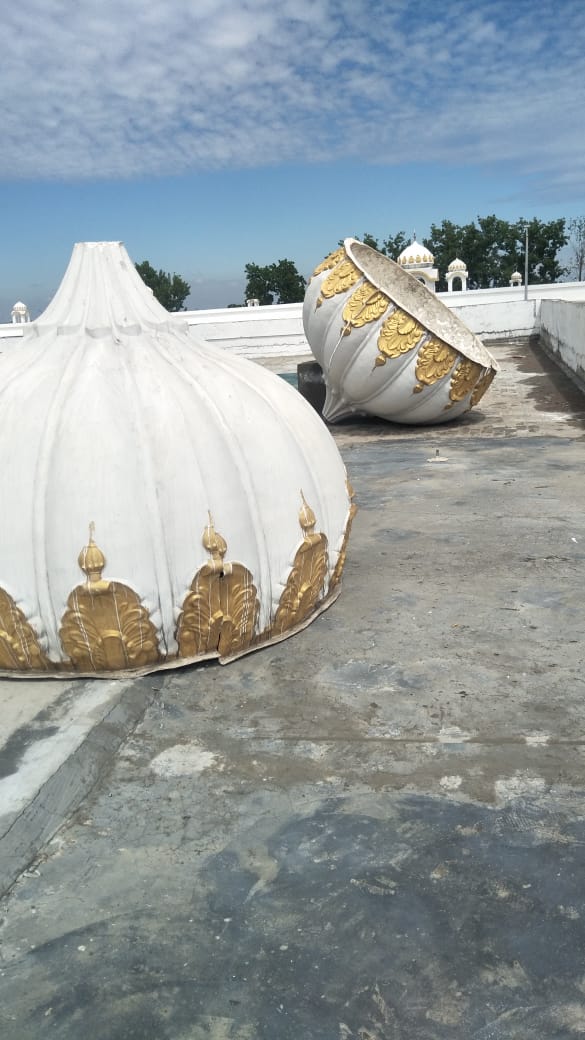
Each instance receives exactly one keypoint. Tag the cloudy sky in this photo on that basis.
(208, 133)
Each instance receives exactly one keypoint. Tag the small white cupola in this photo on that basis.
(19, 313)
(419, 261)
(456, 270)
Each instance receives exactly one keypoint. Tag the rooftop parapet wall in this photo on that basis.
(270, 331)
(277, 331)
(562, 335)
(499, 319)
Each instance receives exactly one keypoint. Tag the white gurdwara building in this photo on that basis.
(163, 502)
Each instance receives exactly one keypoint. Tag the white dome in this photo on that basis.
(214, 497)
(414, 255)
(387, 346)
(20, 307)
(457, 265)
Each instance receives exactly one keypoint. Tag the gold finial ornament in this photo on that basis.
(305, 584)
(336, 576)
(220, 611)
(92, 561)
(105, 626)
(20, 650)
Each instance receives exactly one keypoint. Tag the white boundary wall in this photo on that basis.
(277, 331)
(562, 335)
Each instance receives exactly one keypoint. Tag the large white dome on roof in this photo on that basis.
(163, 501)
(414, 254)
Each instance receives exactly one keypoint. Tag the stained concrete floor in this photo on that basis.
(375, 830)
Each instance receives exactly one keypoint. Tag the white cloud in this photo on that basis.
(129, 89)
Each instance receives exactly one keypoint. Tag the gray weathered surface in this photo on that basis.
(375, 830)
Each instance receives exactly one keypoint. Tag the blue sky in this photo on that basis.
(208, 133)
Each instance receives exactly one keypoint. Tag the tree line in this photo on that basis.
(491, 248)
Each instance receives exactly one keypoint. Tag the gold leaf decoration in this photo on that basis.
(485, 381)
(330, 261)
(336, 576)
(342, 277)
(464, 379)
(435, 360)
(20, 650)
(105, 627)
(305, 582)
(366, 304)
(221, 609)
(399, 334)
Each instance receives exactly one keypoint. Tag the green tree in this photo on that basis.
(170, 290)
(275, 283)
(493, 248)
(391, 246)
(576, 228)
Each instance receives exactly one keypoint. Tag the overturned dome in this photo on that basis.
(163, 501)
(387, 346)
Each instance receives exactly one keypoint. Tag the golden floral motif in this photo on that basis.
(485, 381)
(336, 576)
(221, 609)
(105, 627)
(399, 334)
(342, 277)
(464, 379)
(330, 261)
(435, 360)
(20, 650)
(306, 580)
(366, 304)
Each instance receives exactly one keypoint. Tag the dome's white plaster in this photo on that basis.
(457, 265)
(113, 413)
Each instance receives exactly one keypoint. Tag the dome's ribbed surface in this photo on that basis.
(114, 415)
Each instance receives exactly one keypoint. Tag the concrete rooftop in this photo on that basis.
(374, 830)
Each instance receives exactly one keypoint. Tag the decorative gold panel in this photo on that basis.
(399, 334)
(221, 609)
(485, 381)
(306, 580)
(336, 576)
(330, 261)
(105, 627)
(366, 304)
(435, 360)
(20, 650)
(464, 379)
(343, 276)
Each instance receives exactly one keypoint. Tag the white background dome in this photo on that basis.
(415, 253)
